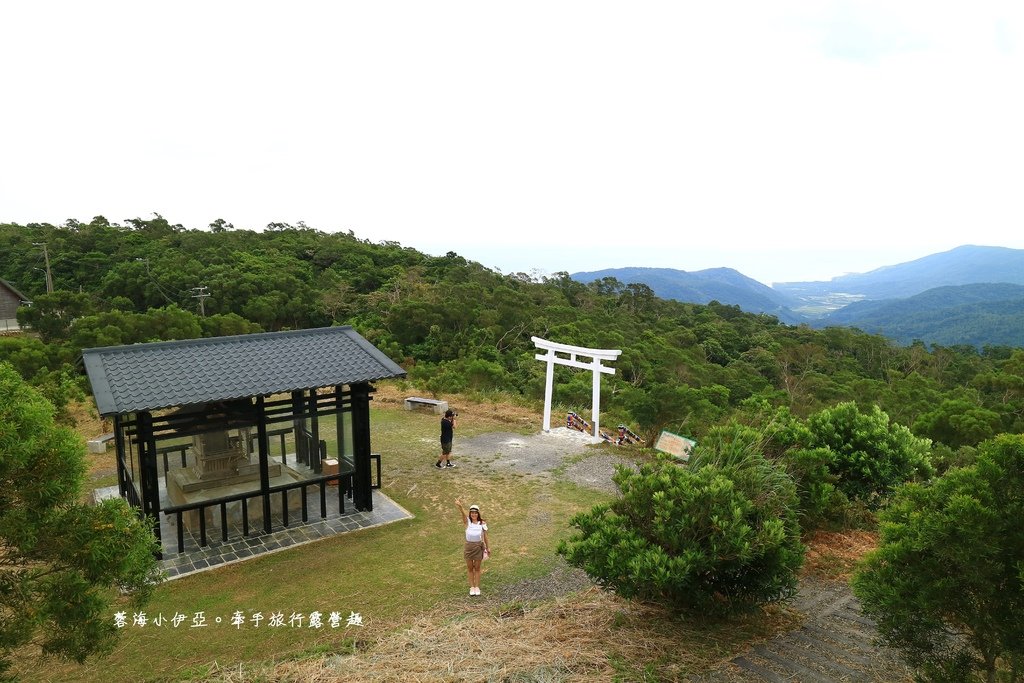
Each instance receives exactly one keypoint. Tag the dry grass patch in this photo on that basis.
(589, 636)
(834, 554)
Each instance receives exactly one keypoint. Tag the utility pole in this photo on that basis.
(201, 293)
(46, 259)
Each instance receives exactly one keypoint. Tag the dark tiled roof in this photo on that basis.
(165, 374)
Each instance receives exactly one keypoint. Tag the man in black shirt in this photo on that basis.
(447, 436)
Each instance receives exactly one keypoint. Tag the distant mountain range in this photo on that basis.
(724, 285)
(968, 295)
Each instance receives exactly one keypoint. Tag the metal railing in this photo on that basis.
(343, 479)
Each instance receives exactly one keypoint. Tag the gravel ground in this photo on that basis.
(562, 452)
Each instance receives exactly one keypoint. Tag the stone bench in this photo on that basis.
(99, 444)
(431, 404)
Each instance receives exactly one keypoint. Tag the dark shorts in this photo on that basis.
(474, 551)
(446, 447)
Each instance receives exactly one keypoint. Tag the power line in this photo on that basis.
(154, 281)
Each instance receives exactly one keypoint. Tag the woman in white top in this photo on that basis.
(476, 544)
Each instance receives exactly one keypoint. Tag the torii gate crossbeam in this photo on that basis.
(552, 358)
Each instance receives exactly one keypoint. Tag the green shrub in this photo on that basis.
(714, 537)
(872, 454)
(946, 584)
(821, 501)
(946, 458)
(781, 437)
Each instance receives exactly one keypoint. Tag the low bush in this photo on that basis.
(714, 537)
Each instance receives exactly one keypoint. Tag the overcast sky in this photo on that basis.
(789, 140)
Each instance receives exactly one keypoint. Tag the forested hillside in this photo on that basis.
(457, 326)
(977, 314)
(968, 264)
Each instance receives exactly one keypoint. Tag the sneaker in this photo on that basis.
(472, 591)
(450, 464)
(438, 464)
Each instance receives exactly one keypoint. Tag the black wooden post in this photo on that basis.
(299, 427)
(362, 493)
(314, 430)
(150, 478)
(263, 445)
(119, 450)
(340, 418)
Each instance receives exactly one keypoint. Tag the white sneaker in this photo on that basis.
(472, 591)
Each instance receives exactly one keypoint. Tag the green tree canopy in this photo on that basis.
(946, 584)
(872, 454)
(62, 564)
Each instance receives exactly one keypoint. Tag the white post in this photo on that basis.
(548, 387)
(596, 410)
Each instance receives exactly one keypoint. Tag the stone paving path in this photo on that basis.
(835, 644)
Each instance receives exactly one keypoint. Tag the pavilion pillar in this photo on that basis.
(263, 446)
(150, 483)
(299, 427)
(340, 419)
(314, 433)
(362, 479)
(122, 475)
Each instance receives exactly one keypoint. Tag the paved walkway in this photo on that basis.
(835, 644)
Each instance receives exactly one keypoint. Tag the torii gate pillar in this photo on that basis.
(552, 357)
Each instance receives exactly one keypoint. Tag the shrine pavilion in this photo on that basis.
(239, 436)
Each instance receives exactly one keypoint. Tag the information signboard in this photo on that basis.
(675, 445)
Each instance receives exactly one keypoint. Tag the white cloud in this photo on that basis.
(843, 134)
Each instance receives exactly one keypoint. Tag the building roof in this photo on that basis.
(8, 285)
(137, 377)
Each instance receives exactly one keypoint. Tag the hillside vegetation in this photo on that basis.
(457, 326)
(797, 430)
(977, 314)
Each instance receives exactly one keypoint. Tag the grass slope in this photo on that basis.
(407, 582)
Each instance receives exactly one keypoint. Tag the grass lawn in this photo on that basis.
(387, 575)
(408, 578)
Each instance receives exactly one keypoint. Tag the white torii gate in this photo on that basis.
(596, 356)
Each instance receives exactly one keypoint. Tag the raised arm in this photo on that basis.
(465, 517)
